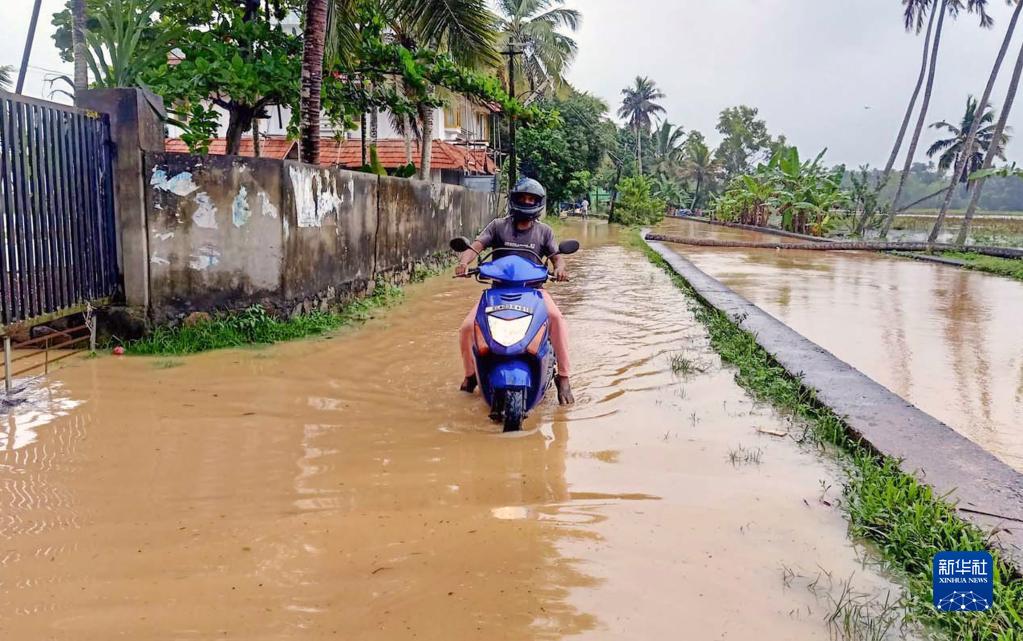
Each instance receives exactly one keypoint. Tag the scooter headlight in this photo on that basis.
(509, 332)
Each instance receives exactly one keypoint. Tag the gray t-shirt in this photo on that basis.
(503, 234)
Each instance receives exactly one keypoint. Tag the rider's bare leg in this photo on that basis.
(465, 339)
(559, 333)
(559, 340)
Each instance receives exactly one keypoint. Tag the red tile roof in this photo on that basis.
(348, 153)
(391, 152)
(276, 147)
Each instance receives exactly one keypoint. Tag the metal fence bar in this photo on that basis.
(58, 248)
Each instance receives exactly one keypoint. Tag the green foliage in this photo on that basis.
(256, 326)
(6, 75)
(802, 194)
(903, 517)
(636, 203)
(565, 143)
(951, 150)
(374, 166)
(1010, 267)
(745, 140)
(125, 39)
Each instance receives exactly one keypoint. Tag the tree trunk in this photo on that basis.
(239, 120)
(886, 176)
(374, 127)
(696, 194)
(989, 157)
(406, 127)
(78, 27)
(312, 80)
(257, 144)
(971, 137)
(426, 138)
(362, 136)
(915, 142)
(639, 149)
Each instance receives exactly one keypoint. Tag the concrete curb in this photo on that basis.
(932, 259)
(763, 230)
(989, 492)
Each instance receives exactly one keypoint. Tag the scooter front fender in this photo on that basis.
(511, 373)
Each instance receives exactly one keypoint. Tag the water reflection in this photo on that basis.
(945, 339)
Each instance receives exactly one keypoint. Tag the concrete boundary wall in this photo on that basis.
(989, 492)
(227, 232)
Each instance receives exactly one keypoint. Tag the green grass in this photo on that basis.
(255, 326)
(1010, 267)
(906, 521)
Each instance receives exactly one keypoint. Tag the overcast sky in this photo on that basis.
(812, 67)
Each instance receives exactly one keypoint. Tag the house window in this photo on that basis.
(452, 118)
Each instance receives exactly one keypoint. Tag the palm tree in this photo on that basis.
(6, 75)
(81, 78)
(989, 157)
(668, 147)
(637, 108)
(465, 29)
(976, 124)
(700, 166)
(312, 79)
(953, 150)
(944, 8)
(546, 52)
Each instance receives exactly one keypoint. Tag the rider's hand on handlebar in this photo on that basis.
(461, 269)
(560, 274)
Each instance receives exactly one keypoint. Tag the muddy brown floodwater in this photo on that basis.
(946, 339)
(344, 488)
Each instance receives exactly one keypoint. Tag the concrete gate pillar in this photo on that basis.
(136, 127)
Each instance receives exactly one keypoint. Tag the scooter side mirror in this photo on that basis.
(460, 244)
(568, 247)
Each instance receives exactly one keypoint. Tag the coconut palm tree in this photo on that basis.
(638, 108)
(668, 143)
(700, 166)
(6, 75)
(989, 157)
(944, 8)
(536, 26)
(466, 29)
(952, 150)
(976, 124)
(79, 46)
(312, 79)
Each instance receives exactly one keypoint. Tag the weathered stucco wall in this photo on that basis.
(227, 232)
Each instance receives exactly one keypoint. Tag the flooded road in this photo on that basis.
(344, 488)
(946, 339)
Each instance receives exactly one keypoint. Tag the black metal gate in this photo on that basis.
(57, 234)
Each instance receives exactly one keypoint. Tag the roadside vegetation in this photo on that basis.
(256, 326)
(1010, 267)
(902, 517)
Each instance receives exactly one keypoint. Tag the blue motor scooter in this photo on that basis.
(514, 357)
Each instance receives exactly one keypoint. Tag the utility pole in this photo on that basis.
(514, 49)
(28, 46)
(614, 188)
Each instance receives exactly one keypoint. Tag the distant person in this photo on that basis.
(586, 208)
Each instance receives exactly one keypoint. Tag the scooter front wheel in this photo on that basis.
(514, 409)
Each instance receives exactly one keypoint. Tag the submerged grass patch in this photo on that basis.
(903, 517)
(255, 326)
(1011, 267)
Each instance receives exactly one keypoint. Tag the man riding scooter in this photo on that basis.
(521, 233)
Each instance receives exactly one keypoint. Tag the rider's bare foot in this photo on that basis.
(469, 384)
(565, 396)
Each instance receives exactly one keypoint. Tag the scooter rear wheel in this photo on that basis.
(514, 409)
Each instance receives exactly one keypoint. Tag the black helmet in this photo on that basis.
(528, 200)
